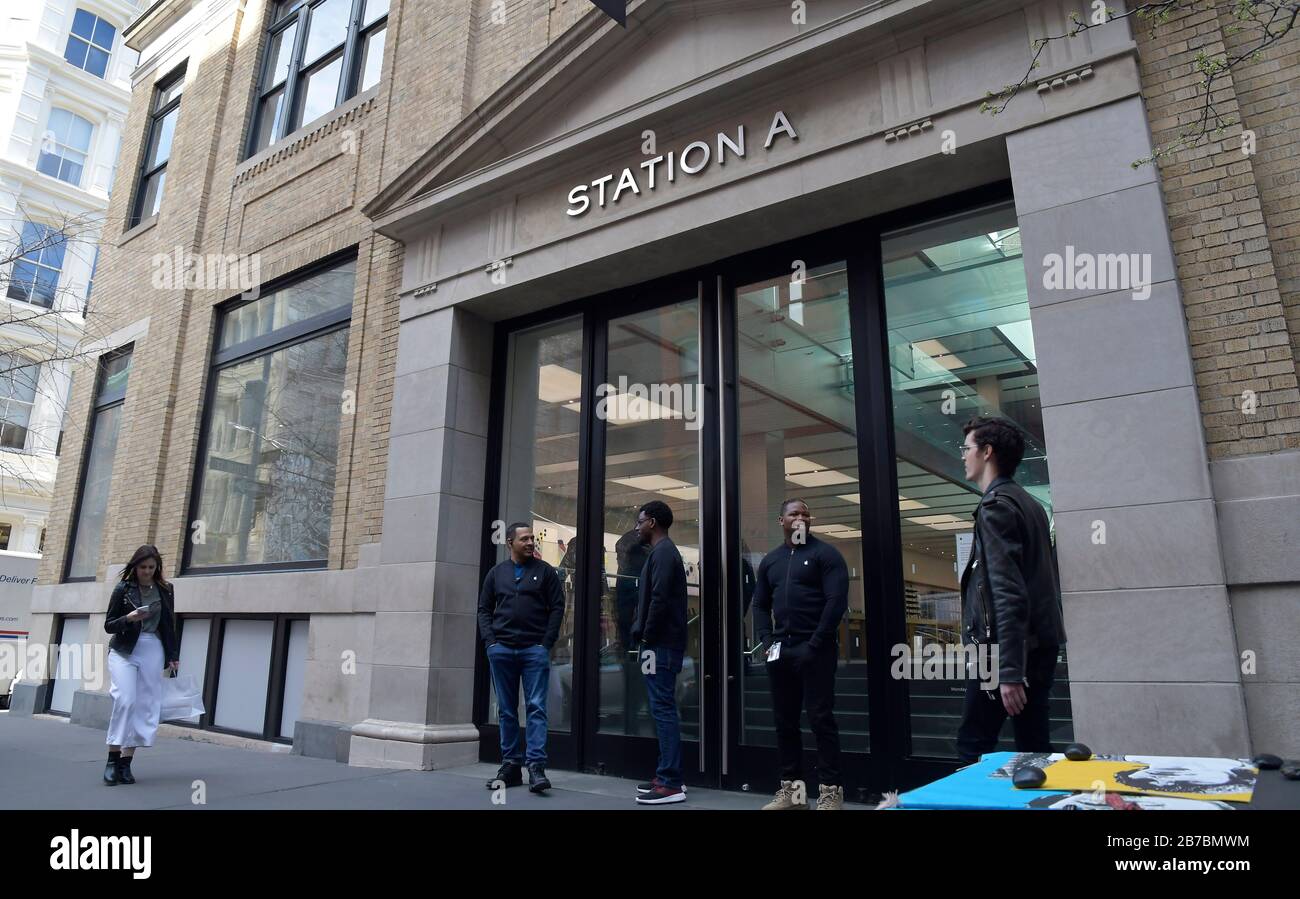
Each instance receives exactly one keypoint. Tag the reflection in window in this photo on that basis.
(540, 476)
(92, 508)
(652, 452)
(35, 275)
(798, 439)
(960, 345)
(18, 381)
(272, 432)
(318, 54)
(65, 146)
(158, 146)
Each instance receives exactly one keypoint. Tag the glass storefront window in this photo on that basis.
(652, 452)
(960, 345)
(540, 476)
(798, 440)
(272, 429)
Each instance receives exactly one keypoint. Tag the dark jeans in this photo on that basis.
(661, 687)
(509, 664)
(981, 721)
(803, 678)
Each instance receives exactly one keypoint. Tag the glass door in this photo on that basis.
(792, 420)
(649, 427)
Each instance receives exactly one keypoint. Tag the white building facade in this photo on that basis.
(64, 92)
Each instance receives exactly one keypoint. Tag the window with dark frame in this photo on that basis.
(91, 507)
(318, 54)
(164, 111)
(264, 484)
(250, 669)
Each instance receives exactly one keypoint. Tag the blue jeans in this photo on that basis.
(533, 664)
(661, 687)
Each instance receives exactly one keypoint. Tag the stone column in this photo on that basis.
(422, 680)
(1153, 657)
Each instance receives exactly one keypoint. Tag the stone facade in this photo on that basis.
(459, 159)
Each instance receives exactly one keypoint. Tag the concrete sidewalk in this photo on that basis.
(49, 763)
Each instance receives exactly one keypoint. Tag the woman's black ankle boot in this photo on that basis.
(110, 770)
(124, 770)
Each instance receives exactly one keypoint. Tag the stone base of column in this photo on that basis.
(422, 747)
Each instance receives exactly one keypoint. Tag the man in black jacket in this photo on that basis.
(520, 610)
(1011, 597)
(806, 583)
(660, 628)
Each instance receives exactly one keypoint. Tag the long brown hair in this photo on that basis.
(147, 551)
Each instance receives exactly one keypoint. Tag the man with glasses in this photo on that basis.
(660, 629)
(520, 610)
(1011, 598)
(805, 582)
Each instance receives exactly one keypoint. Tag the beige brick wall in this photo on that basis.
(292, 206)
(1229, 215)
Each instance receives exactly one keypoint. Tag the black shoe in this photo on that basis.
(651, 784)
(124, 771)
(110, 773)
(537, 781)
(661, 795)
(508, 775)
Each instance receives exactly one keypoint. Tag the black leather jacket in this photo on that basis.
(1010, 591)
(126, 633)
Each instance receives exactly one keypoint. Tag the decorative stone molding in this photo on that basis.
(408, 732)
(905, 131)
(348, 116)
(1063, 81)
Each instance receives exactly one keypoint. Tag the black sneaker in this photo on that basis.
(508, 775)
(651, 784)
(537, 781)
(661, 795)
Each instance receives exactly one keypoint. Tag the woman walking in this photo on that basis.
(142, 619)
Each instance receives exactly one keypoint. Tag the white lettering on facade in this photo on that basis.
(691, 160)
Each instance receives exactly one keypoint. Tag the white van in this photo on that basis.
(17, 578)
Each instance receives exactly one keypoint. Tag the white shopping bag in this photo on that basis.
(182, 698)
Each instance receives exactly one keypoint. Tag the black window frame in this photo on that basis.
(280, 634)
(156, 116)
(105, 399)
(296, 14)
(299, 332)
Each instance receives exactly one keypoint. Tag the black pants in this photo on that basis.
(805, 679)
(981, 721)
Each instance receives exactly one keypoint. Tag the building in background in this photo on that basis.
(434, 251)
(65, 88)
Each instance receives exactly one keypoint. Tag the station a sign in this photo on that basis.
(691, 159)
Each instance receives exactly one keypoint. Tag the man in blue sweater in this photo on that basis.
(805, 583)
(520, 610)
(660, 628)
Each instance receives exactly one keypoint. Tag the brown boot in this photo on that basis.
(830, 798)
(786, 797)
